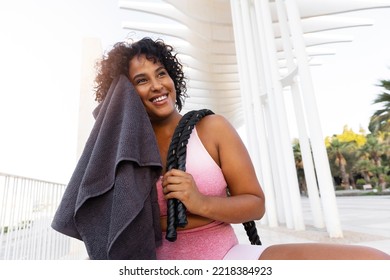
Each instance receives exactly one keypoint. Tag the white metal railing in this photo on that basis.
(27, 207)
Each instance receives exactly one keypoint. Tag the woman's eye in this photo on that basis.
(140, 81)
(162, 73)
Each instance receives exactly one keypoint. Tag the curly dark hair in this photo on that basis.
(116, 62)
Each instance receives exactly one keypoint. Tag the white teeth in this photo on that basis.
(161, 98)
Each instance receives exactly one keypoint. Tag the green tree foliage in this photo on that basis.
(357, 156)
(353, 156)
(375, 151)
(339, 153)
(380, 120)
(299, 166)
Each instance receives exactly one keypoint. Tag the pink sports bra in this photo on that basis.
(207, 174)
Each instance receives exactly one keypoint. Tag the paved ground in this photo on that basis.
(365, 220)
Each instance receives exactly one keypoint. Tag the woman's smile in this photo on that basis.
(159, 99)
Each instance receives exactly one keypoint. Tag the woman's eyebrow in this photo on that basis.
(138, 76)
(160, 68)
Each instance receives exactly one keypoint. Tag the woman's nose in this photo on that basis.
(156, 85)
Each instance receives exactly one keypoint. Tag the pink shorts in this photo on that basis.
(244, 252)
(215, 241)
(209, 242)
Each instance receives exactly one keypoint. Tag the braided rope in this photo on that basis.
(181, 154)
(250, 228)
(251, 232)
(172, 163)
(176, 212)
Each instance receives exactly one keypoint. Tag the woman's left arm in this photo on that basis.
(247, 198)
(246, 202)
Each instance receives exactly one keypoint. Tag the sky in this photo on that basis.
(40, 68)
(346, 83)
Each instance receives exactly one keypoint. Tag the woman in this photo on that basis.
(216, 159)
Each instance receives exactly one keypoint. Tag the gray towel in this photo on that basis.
(111, 201)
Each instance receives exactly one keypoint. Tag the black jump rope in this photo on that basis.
(176, 212)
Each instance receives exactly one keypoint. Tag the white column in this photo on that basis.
(254, 118)
(243, 73)
(304, 143)
(319, 151)
(278, 107)
(278, 169)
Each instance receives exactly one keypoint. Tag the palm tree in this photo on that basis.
(382, 171)
(380, 120)
(338, 152)
(374, 150)
(299, 166)
(364, 167)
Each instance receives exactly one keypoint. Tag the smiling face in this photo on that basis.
(154, 85)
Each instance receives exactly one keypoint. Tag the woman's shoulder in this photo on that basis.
(214, 121)
(215, 128)
(215, 132)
